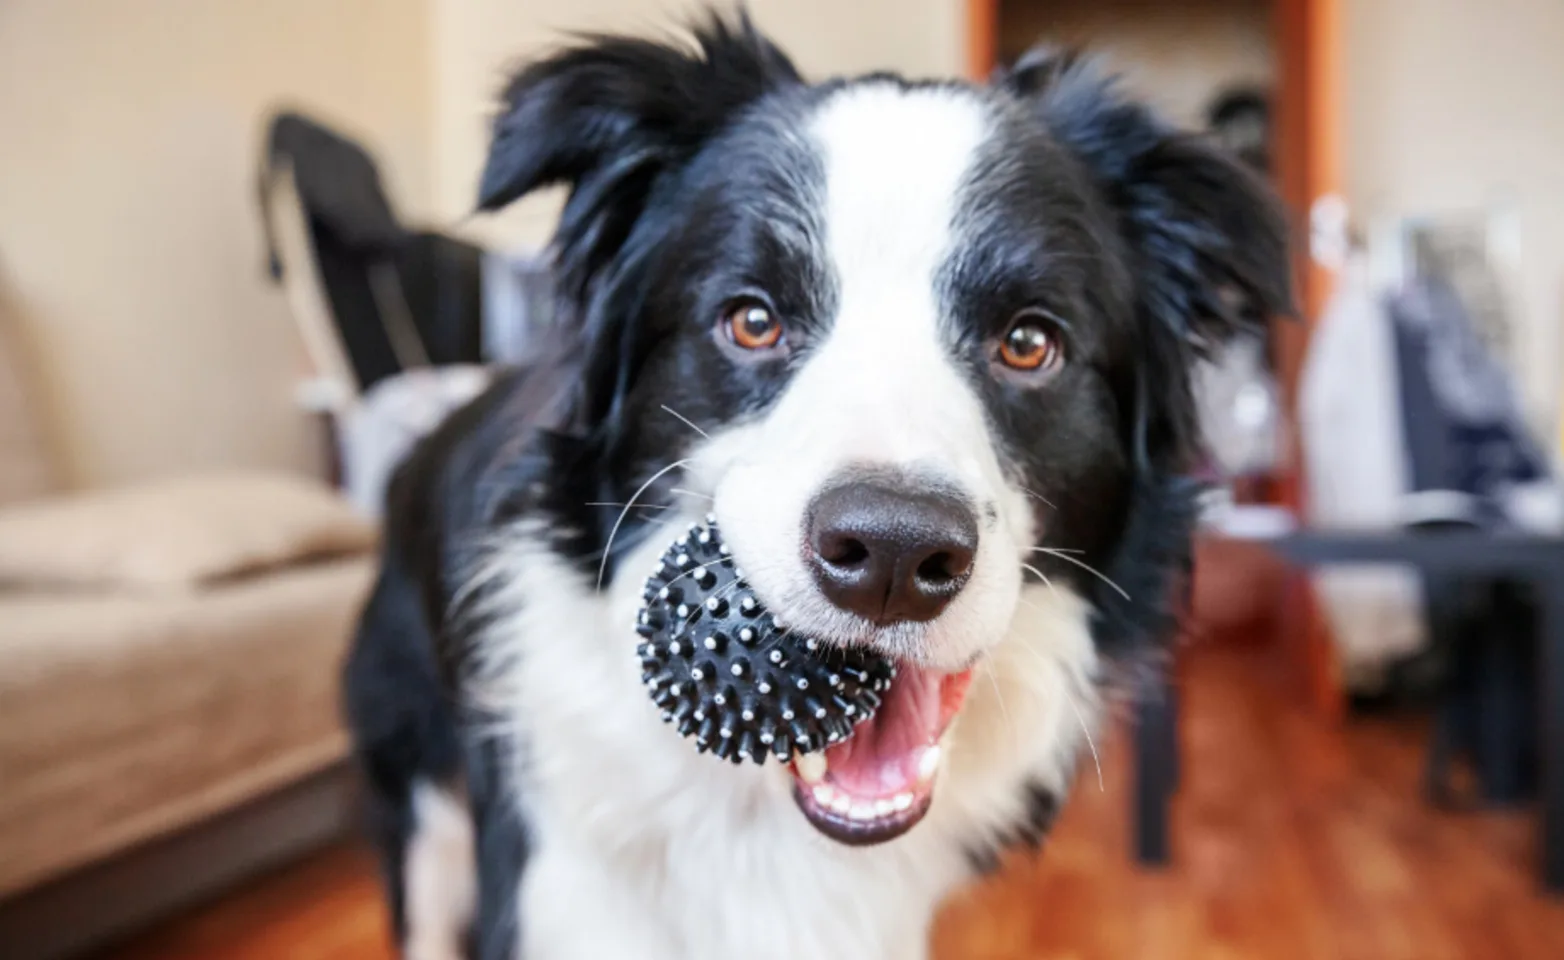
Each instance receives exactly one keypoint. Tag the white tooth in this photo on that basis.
(928, 764)
(841, 803)
(902, 802)
(861, 811)
(884, 808)
(824, 795)
(811, 767)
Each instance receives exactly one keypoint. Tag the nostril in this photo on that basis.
(937, 569)
(844, 551)
(944, 569)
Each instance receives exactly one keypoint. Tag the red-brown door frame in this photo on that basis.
(1309, 124)
(1307, 37)
(982, 38)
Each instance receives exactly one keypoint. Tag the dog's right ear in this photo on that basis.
(607, 116)
(1207, 237)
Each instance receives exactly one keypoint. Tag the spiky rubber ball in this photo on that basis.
(731, 676)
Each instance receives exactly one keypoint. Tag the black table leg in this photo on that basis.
(1156, 749)
(1551, 743)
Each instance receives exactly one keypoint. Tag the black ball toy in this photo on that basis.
(729, 675)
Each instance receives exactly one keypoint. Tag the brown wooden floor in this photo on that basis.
(1292, 841)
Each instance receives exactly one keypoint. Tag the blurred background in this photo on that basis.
(240, 272)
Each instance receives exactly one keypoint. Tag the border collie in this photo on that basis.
(925, 351)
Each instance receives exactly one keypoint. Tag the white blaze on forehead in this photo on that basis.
(894, 161)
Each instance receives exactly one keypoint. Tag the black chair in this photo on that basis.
(372, 297)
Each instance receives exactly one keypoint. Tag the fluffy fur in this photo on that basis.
(896, 229)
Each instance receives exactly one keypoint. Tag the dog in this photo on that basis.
(924, 351)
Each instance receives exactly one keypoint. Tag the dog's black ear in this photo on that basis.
(607, 116)
(1207, 237)
(1208, 233)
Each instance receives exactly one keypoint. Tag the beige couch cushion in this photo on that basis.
(128, 716)
(176, 534)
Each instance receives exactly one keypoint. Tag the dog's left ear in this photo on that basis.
(608, 116)
(1207, 237)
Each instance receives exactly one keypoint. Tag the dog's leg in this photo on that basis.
(439, 874)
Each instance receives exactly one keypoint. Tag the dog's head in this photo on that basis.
(923, 345)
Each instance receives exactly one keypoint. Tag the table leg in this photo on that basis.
(1156, 768)
(1551, 743)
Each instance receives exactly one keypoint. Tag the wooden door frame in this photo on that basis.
(1308, 157)
(982, 38)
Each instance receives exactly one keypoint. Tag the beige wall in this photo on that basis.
(128, 237)
(1177, 54)
(129, 245)
(476, 41)
(130, 250)
(1449, 102)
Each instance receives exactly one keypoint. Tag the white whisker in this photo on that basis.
(638, 506)
(664, 523)
(1041, 576)
(776, 641)
(1055, 552)
(691, 493)
(1039, 496)
(685, 420)
(988, 668)
(608, 547)
(1097, 760)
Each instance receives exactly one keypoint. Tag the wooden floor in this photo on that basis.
(1292, 841)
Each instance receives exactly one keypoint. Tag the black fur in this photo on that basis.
(1207, 248)
(686, 187)
(1041, 810)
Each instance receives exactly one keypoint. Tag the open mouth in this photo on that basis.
(878, 784)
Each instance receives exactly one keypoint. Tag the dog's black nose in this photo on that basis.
(890, 551)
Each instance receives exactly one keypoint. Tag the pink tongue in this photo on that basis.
(881, 757)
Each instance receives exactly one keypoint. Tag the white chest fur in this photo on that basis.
(643, 848)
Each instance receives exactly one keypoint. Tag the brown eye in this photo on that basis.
(1031, 344)
(753, 326)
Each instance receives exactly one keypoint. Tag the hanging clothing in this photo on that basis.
(1240, 412)
(1351, 418)
(518, 306)
(398, 298)
(1466, 438)
(380, 430)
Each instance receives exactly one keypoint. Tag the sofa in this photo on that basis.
(169, 654)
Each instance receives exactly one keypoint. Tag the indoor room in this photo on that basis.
(964, 479)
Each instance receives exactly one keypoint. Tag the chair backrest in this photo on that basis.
(335, 243)
(333, 383)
